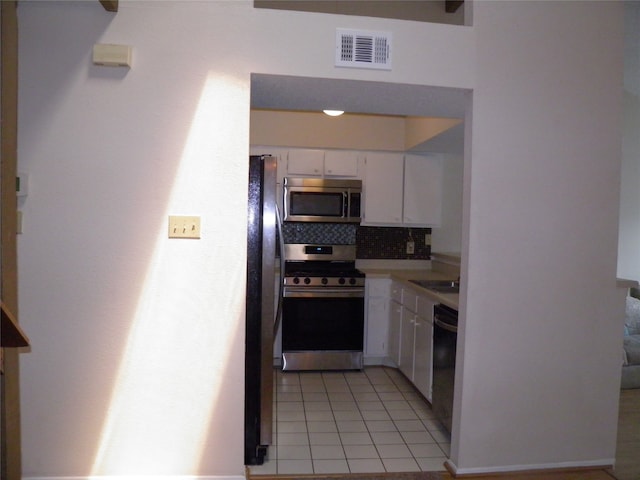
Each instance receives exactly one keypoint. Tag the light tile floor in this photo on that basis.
(352, 422)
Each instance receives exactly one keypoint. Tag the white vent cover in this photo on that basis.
(360, 49)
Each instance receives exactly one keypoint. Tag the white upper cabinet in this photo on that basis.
(398, 189)
(322, 163)
(305, 162)
(341, 163)
(403, 190)
(383, 189)
(422, 190)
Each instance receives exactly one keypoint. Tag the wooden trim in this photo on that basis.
(110, 5)
(12, 335)
(10, 434)
(451, 6)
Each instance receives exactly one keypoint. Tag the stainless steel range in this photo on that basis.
(322, 309)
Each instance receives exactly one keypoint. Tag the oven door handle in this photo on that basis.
(323, 292)
(445, 326)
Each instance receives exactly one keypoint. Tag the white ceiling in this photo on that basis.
(280, 92)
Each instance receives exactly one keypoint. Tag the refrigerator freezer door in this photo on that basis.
(260, 309)
(268, 291)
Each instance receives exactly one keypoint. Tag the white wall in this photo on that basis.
(542, 337)
(137, 361)
(138, 341)
(628, 250)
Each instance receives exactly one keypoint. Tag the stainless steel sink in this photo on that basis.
(441, 286)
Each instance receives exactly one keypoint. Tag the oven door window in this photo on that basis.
(322, 324)
(321, 204)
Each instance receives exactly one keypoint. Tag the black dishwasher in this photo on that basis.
(445, 337)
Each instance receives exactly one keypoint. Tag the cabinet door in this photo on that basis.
(395, 328)
(340, 163)
(407, 342)
(383, 189)
(396, 292)
(305, 162)
(377, 326)
(423, 361)
(423, 177)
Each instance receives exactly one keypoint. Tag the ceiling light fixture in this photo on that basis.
(333, 113)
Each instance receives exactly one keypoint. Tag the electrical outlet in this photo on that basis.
(427, 239)
(411, 246)
(182, 226)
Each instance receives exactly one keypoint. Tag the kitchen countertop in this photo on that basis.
(404, 275)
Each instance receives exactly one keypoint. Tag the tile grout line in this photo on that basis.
(365, 423)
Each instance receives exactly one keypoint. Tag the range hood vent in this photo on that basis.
(361, 49)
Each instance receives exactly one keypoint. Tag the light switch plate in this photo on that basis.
(110, 55)
(184, 226)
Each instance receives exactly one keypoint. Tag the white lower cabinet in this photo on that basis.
(411, 337)
(423, 347)
(377, 325)
(407, 342)
(395, 324)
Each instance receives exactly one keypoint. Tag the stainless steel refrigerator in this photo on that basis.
(262, 309)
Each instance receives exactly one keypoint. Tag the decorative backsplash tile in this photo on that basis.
(371, 242)
(319, 233)
(391, 243)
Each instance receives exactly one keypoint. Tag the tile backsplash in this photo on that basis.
(319, 233)
(371, 242)
(391, 243)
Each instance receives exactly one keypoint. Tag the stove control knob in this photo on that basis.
(296, 280)
(307, 281)
(352, 281)
(342, 281)
(324, 281)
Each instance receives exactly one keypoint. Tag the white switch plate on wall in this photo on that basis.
(184, 226)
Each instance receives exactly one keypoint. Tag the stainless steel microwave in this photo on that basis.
(322, 200)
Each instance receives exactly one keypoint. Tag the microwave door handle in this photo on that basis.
(345, 204)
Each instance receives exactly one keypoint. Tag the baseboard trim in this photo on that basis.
(548, 467)
(140, 477)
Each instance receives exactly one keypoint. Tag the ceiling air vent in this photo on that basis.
(360, 49)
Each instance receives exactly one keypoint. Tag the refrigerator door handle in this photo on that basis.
(278, 316)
